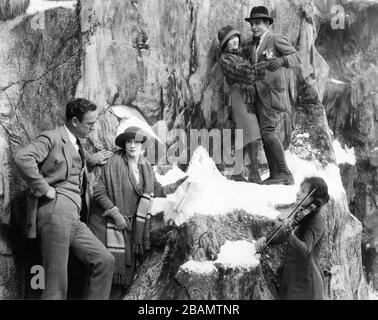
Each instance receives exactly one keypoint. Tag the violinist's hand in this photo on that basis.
(287, 225)
(260, 244)
(298, 217)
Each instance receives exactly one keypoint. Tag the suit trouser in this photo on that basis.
(269, 120)
(60, 228)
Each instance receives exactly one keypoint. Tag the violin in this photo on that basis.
(299, 213)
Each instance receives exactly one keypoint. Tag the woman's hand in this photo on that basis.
(260, 244)
(172, 187)
(121, 222)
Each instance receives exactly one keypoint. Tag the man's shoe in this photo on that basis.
(281, 178)
(238, 177)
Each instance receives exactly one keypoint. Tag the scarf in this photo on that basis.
(125, 245)
(238, 71)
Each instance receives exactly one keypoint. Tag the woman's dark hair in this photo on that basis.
(320, 195)
(78, 107)
(225, 45)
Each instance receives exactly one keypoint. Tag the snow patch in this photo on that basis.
(343, 155)
(338, 82)
(133, 121)
(233, 254)
(239, 253)
(204, 267)
(208, 192)
(36, 6)
(171, 176)
(302, 169)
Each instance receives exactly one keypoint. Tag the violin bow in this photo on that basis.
(296, 208)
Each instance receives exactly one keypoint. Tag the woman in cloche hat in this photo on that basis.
(240, 76)
(120, 214)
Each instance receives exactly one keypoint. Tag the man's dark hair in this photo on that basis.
(321, 195)
(78, 107)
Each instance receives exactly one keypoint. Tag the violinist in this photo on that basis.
(301, 277)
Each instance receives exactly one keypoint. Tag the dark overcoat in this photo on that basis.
(301, 276)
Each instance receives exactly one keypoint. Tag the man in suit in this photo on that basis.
(272, 97)
(55, 166)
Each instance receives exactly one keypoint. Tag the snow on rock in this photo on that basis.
(338, 82)
(302, 169)
(204, 267)
(239, 253)
(344, 155)
(133, 121)
(36, 6)
(208, 192)
(233, 254)
(171, 176)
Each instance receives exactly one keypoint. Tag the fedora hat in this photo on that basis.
(131, 133)
(259, 12)
(226, 33)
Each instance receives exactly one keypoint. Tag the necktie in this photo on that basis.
(257, 42)
(83, 185)
(81, 151)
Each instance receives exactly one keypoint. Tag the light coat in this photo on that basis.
(44, 163)
(272, 90)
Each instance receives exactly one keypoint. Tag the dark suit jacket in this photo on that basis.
(301, 274)
(46, 162)
(272, 89)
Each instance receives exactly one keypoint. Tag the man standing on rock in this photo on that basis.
(55, 167)
(271, 98)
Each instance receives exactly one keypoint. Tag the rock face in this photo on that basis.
(352, 107)
(40, 59)
(158, 57)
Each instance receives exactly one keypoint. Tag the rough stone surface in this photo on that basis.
(40, 67)
(352, 109)
(160, 276)
(158, 57)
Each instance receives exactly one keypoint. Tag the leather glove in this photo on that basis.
(275, 64)
(51, 193)
(121, 222)
(172, 187)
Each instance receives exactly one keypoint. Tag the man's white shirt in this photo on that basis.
(72, 138)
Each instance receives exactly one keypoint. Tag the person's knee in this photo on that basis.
(105, 262)
(109, 260)
(268, 137)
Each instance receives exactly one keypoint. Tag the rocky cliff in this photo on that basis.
(352, 107)
(158, 58)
